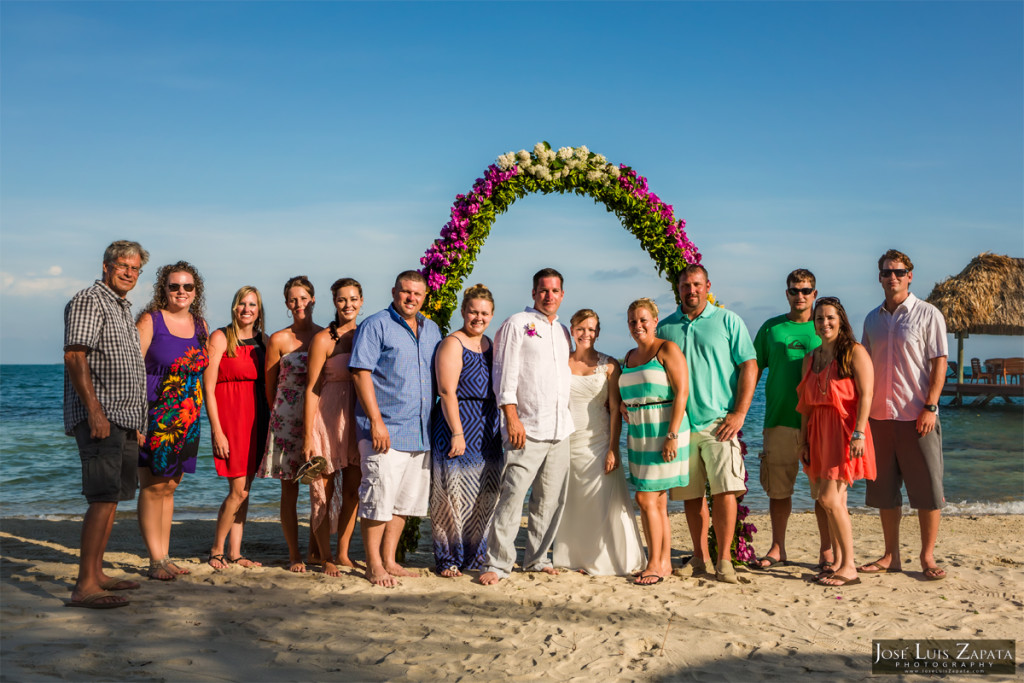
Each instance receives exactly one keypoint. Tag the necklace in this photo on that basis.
(817, 379)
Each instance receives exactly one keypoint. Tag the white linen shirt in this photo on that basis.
(531, 371)
(901, 345)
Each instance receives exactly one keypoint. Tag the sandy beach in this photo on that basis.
(268, 624)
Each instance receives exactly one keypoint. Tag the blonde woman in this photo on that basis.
(654, 386)
(236, 404)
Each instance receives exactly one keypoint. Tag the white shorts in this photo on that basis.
(393, 483)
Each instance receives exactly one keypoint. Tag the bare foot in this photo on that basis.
(451, 572)
(217, 560)
(175, 569)
(348, 562)
(331, 569)
(379, 577)
(398, 570)
(297, 567)
(549, 570)
(489, 578)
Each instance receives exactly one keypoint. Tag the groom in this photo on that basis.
(531, 381)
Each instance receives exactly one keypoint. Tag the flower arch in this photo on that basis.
(571, 169)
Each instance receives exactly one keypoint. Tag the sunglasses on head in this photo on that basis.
(828, 301)
(175, 286)
(898, 272)
(806, 291)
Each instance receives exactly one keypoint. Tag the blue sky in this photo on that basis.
(262, 140)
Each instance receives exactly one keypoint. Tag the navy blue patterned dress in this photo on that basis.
(464, 489)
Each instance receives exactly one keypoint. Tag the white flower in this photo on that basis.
(600, 159)
(582, 152)
(539, 149)
(523, 155)
(565, 153)
(506, 161)
(613, 171)
(594, 176)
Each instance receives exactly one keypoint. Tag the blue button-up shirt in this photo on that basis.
(403, 376)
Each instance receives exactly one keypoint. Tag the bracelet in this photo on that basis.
(456, 434)
(857, 435)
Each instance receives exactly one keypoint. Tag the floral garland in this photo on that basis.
(623, 192)
(571, 169)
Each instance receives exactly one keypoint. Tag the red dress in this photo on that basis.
(242, 408)
(830, 404)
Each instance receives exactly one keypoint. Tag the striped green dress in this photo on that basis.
(648, 397)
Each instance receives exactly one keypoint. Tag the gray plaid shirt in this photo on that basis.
(100, 320)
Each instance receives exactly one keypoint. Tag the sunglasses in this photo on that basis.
(828, 301)
(889, 272)
(806, 291)
(175, 286)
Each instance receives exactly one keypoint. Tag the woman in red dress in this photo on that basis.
(236, 404)
(835, 399)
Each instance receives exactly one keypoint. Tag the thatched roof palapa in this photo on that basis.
(987, 297)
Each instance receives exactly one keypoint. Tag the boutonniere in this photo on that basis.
(531, 330)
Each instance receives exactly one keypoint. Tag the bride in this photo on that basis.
(598, 533)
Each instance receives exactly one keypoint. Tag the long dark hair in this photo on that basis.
(338, 284)
(160, 302)
(845, 341)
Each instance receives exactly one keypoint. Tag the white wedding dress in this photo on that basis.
(598, 533)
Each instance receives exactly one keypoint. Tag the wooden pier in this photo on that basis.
(982, 392)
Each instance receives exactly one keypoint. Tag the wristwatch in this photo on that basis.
(856, 435)
(673, 435)
(931, 408)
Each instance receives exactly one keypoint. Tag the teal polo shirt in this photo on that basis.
(715, 343)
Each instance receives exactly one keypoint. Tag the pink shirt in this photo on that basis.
(901, 345)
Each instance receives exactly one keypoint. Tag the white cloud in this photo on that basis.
(28, 286)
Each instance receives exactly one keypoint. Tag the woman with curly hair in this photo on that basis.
(236, 403)
(172, 332)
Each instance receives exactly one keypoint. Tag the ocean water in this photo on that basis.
(40, 474)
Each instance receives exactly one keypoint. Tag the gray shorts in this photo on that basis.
(110, 466)
(902, 456)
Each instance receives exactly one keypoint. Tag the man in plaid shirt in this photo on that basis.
(105, 410)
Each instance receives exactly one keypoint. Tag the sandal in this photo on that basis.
(242, 558)
(219, 558)
(309, 471)
(158, 571)
(173, 568)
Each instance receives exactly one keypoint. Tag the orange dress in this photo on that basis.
(830, 404)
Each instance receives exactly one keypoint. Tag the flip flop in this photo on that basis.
(934, 573)
(309, 471)
(649, 583)
(878, 569)
(242, 558)
(842, 581)
(91, 601)
(757, 566)
(120, 585)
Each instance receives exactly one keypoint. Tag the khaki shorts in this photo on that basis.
(780, 461)
(393, 483)
(719, 463)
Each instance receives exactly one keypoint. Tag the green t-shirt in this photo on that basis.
(715, 343)
(781, 345)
